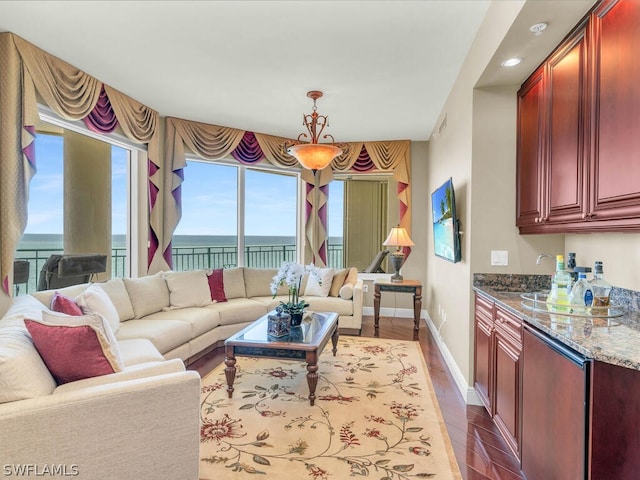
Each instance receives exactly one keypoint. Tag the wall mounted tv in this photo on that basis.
(446, 228)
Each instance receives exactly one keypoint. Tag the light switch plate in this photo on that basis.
(499, 258)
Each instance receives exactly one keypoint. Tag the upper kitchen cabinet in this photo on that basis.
(587, 174)
(615, 143)
(531, 161)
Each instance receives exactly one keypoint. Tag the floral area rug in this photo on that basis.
(375, 416)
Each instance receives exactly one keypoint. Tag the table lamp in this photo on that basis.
(398, 237)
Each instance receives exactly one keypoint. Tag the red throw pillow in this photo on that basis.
(70, 352)
(63, 304)
(216, 286)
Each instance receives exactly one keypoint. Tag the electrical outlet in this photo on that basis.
(499, 258)
(365, 287)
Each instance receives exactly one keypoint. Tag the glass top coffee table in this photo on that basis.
(305, 342)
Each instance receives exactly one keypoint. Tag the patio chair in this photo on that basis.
(65, 270)
(375, 266)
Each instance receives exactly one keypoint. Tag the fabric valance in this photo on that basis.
(73, 95)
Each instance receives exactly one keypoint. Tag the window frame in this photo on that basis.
(137, 188)
(241, 170)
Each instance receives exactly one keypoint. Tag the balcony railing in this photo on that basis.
(187, 258)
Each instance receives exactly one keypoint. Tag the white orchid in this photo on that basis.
(291, 273)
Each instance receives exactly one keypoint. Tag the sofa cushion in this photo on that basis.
(63, 304)
(135, 351)
(330, 304)
(74, 347)
(257, 282)
(239, 310)
(234, 283)
(148, 294)
(339, 276)
(119, 297)
(319, 283)
(23, 374)
(164, 334)
(200, 319)
(216, 285)
(188, 289)
(94, 300)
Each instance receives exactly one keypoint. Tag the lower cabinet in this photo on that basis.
(508, 349)
(554, 409)
(498, 345)
(566, 417)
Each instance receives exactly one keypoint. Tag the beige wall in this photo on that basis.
(478, 149)
(448, 286)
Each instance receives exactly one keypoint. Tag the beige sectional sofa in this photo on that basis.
(143, 421)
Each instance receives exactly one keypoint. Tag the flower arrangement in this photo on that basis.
(291, 273)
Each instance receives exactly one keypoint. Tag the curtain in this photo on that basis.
(73, 95)
(17, 160)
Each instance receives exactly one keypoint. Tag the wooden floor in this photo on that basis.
(480, 450)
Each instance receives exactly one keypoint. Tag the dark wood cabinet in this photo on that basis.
(615, 163)
(506, 403)
(578, 165)
(483, 357)
(498, 343)
(566, 172)
(554, 409)
(530, 162)
(552, 173)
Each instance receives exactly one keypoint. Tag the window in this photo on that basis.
(79, 200)
(335, 224)
(360, 212)
(120, 206)
(236, 215)
(206, 236)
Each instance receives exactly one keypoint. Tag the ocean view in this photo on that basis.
(54, 241)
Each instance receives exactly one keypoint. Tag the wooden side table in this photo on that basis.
(406, 286)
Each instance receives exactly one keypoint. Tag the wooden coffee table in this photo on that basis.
(305, 342)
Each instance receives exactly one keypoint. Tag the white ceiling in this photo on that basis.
(386, 67)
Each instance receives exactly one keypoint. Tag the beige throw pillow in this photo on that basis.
(148, 294)
(94, 300)
(120, 297)
(188, 289)
(339, 277)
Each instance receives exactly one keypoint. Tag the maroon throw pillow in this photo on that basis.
(70, 352)
(216, 286)
(63, 304)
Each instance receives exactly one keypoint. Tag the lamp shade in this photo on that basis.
(398, 237)
(314, 156)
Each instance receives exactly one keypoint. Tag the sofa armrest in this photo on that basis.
(142, 370)
(358, 300)
(139, 428)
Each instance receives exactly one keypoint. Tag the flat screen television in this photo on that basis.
(446, 231)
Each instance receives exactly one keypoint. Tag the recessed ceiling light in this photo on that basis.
(538, 28)
(511, 62)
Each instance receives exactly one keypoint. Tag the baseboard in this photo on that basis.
(468, 393)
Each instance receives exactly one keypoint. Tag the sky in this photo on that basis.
(208, 196)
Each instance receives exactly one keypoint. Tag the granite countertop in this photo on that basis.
(613, 340)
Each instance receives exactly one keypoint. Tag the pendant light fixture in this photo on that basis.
(313, 155)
